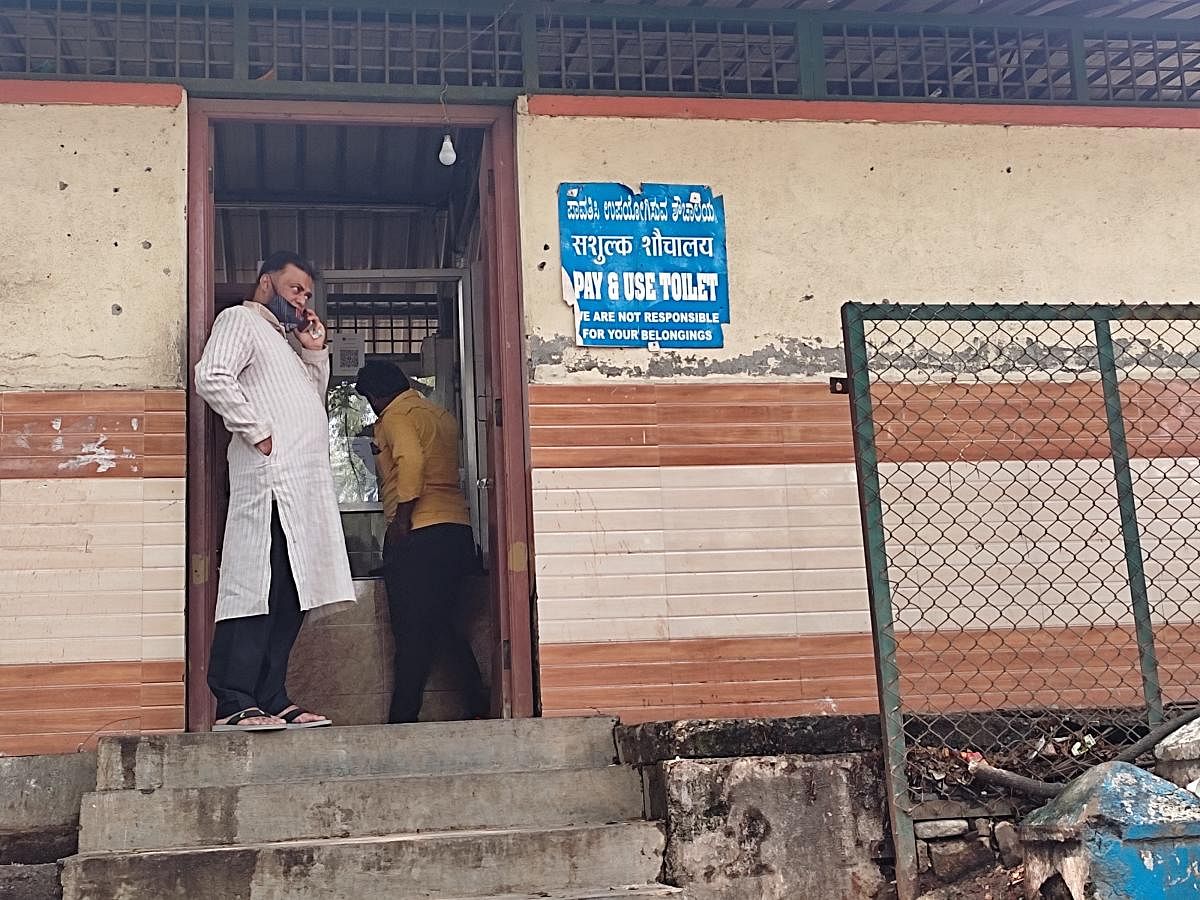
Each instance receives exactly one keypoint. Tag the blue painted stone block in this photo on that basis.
(1116, 833)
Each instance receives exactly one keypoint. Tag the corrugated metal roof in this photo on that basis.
(373, 164)
(347, 197)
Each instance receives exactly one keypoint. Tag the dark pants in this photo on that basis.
(424, 576)
(249, 659)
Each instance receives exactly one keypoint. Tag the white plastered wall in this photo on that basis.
(93, 246)
(821, 213)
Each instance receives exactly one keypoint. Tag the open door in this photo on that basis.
(204, 523)
(507, 482)
(487, 503)
(231, 216)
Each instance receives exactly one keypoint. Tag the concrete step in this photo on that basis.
(149, 762)
(611, 893)
(522, 861)
(36, 882)
(356, 807)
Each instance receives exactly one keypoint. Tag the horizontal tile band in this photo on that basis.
(775, 423)
(85, 434)
(835, 673)
(66, 707)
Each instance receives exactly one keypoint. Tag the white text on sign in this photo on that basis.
(647, 286)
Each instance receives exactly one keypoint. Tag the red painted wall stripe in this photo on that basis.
(862, 111)
(89, 93)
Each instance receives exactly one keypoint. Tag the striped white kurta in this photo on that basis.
(264, 384)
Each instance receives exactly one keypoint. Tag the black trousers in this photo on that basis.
(424, 577)
(249, 659)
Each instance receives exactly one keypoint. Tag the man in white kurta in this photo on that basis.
(265, 371)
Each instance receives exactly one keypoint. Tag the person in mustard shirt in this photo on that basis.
(428, 548)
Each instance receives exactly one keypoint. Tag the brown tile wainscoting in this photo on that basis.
(590, 425)
(82, 434)
(710, 677)
(687, 425)
(835, 673)
(66, 707)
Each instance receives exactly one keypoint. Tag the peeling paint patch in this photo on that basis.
(95, 453)
(56, 424)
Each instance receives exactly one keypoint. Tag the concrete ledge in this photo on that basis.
(30, 882)
(651, 742)
(767, 809)
(1178, 755)
(775, 828)
(34, 846)
(39, 805)
(986, 731)
(600, 893)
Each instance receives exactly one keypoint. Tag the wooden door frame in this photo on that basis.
(506, 347)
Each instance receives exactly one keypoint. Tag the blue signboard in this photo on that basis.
(644, 269)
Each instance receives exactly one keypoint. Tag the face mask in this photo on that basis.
(289, 317)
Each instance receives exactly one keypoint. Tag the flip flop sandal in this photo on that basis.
(234, 722)
(291, 717)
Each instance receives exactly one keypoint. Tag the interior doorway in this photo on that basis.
(420, 268)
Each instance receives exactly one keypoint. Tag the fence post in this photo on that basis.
(1147, 655)
(882, 624)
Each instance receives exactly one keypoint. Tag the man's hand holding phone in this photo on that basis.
(312, 336)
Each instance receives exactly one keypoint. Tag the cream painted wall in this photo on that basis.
(649, 553)
(819, 213)
(679, 552)
(91, 570)
(93, 218)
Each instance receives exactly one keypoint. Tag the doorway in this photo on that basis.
(421, 268)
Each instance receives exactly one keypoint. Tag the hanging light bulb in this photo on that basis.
(447, 156)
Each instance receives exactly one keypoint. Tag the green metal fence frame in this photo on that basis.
(854, 317)
(808, 27)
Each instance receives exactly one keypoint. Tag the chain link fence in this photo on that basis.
(1030, 484)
